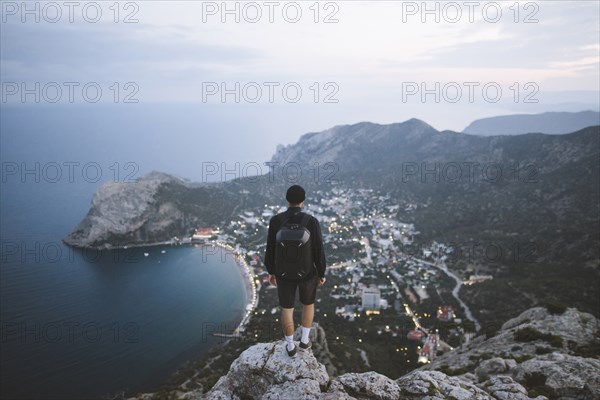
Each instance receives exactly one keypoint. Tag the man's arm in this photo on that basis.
(269, 259)
(319, 254)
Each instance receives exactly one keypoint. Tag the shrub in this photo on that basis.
(543, 350)
(523, 358)
(556, 308)
(530, 334)
(490, 331)
(591, 349)
(554, 340)
(527, 334)
(535, 383)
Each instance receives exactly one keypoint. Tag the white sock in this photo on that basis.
(305, 332)
(290, 342)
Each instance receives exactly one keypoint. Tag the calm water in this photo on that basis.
(82, 324)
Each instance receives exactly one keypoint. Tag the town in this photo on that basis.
(386, 291)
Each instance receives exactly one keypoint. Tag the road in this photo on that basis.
(442, 266)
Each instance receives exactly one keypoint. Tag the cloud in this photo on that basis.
(85, 51)
(171, 52)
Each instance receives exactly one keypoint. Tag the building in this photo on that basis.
(429, 349)
(371, 297)
(202, 234)
(415, 334)
(445, 313)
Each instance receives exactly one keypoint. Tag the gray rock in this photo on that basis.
(494, 366)
(336, 396)
(437, 385)
(319, 348)
(566, 376)
(301, 389)
(264, 365)
(367, 385)
(571, 325)
(505, 388)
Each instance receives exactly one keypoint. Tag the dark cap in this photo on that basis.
(295, 194)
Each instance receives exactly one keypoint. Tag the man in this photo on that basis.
(307, 287)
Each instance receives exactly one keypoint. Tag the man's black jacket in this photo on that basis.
(315, 237)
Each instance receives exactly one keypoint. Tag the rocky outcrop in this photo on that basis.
(319, 347)
(563, 375)
(266, 371)
(126, 212)
(153, 209)
(533, 332)
(500, 367)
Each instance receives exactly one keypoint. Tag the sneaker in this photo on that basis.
(305, 346)
(292, 352)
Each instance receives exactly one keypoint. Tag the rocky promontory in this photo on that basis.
(153, 209)
(539, 354)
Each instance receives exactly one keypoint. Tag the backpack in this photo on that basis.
(293, 251)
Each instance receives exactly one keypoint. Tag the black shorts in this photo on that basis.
(286, 290)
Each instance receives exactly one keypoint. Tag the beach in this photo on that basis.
(250, 286)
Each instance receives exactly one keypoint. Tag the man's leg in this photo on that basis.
(287, 323)
(287, 320)
(308, 313)
(308, 292)
(287, 294)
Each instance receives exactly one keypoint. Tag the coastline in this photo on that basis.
(250, 287)
(169, 242)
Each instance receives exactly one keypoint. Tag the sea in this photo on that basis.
(83, 324)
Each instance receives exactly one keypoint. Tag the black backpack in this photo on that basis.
(293, 251)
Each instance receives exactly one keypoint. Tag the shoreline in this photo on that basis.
(250, 287)
(169, 242)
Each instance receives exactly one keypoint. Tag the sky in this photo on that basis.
(287, 68)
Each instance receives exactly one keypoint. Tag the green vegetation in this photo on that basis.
(543, 350)
(591, 349)
(457, 371)
(523, 358)
(535, 383)
(556, 308)
(530, 334)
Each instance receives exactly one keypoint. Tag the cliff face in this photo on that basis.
(126, 212)
(535, 355)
